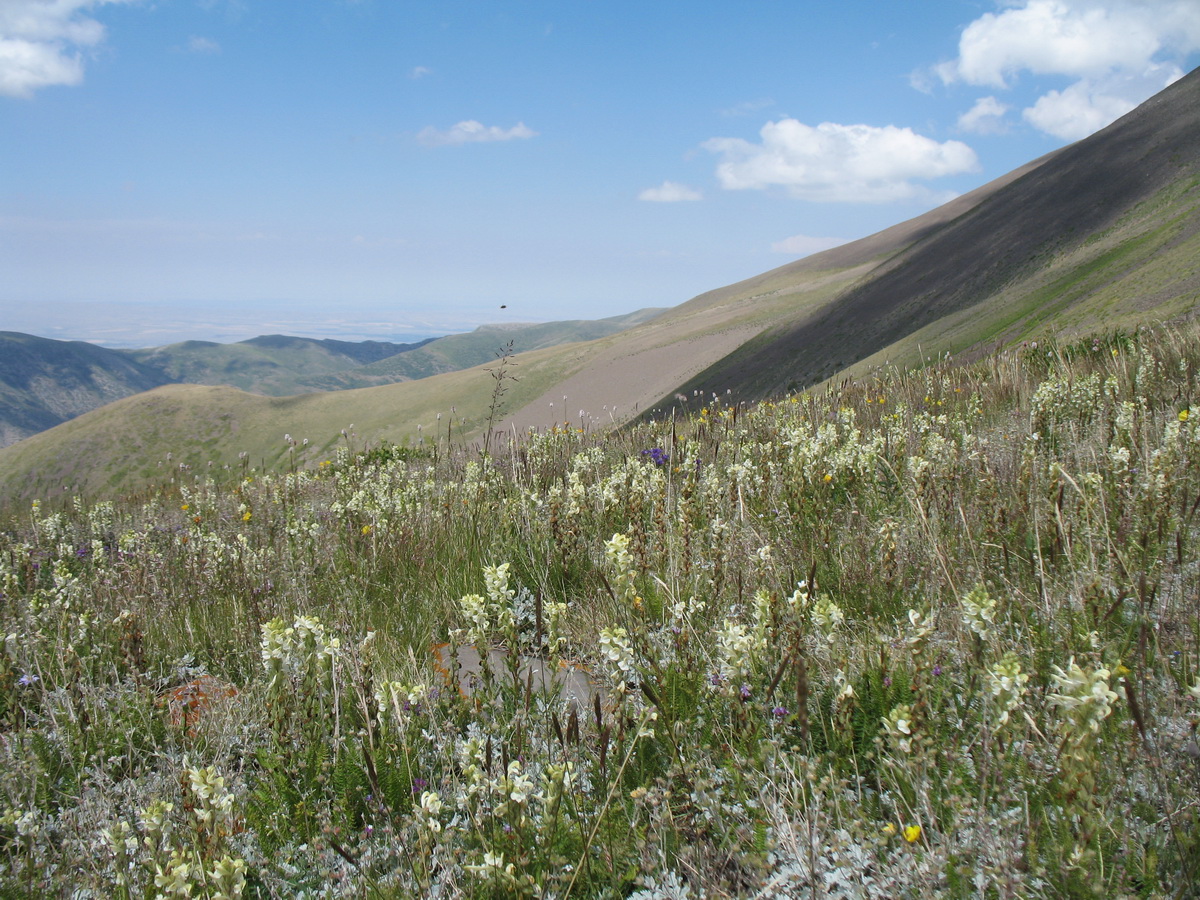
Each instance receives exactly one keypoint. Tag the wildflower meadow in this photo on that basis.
(927, 633)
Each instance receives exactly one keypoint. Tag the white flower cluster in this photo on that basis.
(290, 650)
(922, 623)
(1006, 683)
(897, 725)
(1059, 400)
(736, 651)
(979, 611)
(616, 550)
(835, 451)
(213, 807)
(1085, 696)
(616, 653)
(827, 616)
(492, 614)
(400, 698)
(176, 860)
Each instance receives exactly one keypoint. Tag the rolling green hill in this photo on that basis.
(275, 365)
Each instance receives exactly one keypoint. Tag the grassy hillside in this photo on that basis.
(462, 351)
(154, 437)
(929, 634)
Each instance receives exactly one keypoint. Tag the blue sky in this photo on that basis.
(217, 169)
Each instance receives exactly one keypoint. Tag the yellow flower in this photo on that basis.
(246, 516)
(889, 829)
(912, 833)
(185, 506)
(828, 478)
(366, 529)
(1183, 415)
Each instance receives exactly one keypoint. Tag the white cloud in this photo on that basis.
(1089, 104)
(41, 43)
(1118, 51)
(670, 192)
(419, 72)
(197, 44)
(985, 117)
(804, 245)
(1063, 37)
(839, 163)
(472, 132)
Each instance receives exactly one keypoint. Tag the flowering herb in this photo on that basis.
(657, 455)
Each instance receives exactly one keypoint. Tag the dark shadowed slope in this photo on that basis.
(44, 382)
(1101, 209)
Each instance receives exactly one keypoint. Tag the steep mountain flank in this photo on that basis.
(1119, 204)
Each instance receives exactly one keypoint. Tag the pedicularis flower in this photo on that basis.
(1084, 696)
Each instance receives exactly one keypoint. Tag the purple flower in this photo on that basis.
(657, 455)
(28, 680)
(779, 712)
(937, 670)
(744, 693)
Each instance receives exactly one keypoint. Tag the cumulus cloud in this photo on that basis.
(670, 192)
(839, 163)
(472, 132)
(1118, 51)
(985, 117)
(1091, 103)
(805, 245)
(42, 43)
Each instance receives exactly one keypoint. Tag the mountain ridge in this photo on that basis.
(74, 377)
